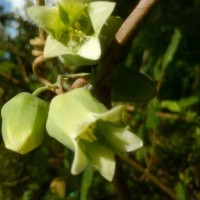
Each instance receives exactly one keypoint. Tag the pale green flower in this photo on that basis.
(78, 31)
(23, 122)
(81, 123)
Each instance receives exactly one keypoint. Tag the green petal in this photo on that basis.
(100, 157)
(68, 114)
(54, 48)
(46, 17)
(117, 137)
(113, 115)
(91, 49)
(99, 13)
(88, 54)
(73, 8)
(80, 161)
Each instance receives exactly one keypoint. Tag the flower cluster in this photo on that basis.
(77, 120)
(79, 31)
(81, 123)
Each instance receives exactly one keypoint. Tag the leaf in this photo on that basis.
(131, 86)
(181, 191)
(172, 48)
(189, 101)
(99, 12)
(171, 105)
(152, 121)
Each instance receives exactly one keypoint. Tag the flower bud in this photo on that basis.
(23, 122)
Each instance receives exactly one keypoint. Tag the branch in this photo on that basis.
(156, 181)
(118, 49)
(103, 74)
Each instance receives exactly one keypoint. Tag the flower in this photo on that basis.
(78, 31)
(23, 122)
(77, 120)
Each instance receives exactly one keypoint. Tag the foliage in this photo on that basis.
(165, 49)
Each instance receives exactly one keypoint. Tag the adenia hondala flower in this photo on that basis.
(84, 125)
(79, 30)
(23, 122)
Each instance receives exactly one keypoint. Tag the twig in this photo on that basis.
(104, 71)
(118, 50)
(156, 181)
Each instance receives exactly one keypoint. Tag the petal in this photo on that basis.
(80, 161)
(99, 13)
(125, 141)
(113, 115)
(109, 30)
(117, 137)
(100, 157)
(74, 8)
(46, 17)
(88, 54)
(91, 49)
(68, 114)
(54, 48)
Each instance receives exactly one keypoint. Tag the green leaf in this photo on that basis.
(181, 191)
(172, 48)
(99, 12)
(189, 101)
(171, 105)
(131, 86)
(23, 122)
(152, 121)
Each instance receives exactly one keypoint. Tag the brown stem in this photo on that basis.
(119, 183)
(104, 71)
(118, 49)
(155, 180)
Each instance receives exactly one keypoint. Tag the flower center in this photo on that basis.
(88, 135)
(76, 33)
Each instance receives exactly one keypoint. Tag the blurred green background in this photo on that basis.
(167, 49)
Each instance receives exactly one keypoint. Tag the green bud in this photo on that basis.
(23, 122)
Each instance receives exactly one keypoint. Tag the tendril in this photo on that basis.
(39, 61)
